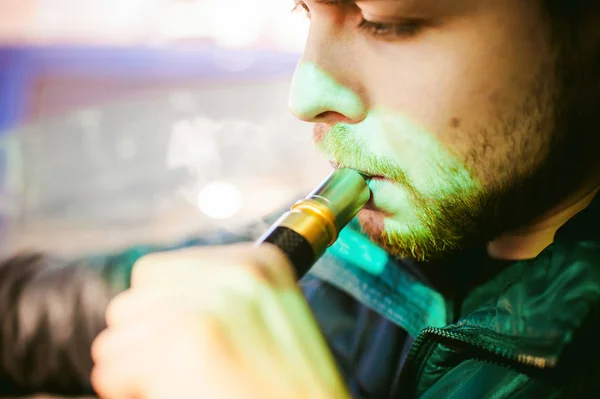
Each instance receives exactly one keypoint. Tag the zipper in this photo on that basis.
(431, 336)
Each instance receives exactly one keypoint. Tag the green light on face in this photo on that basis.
(428, 177)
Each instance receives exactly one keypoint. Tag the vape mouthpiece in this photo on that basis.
(314, 223)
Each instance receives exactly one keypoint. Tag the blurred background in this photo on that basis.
(128, 121)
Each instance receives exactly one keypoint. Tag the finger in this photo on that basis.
(131, 306)
(265, 263)
(166, 358)
(188, 283)
(134, 315)
(119, 377)
(166, 267)
(293, 318)
(127, 359)
(209, 297)
(112, 343)
(161, 268)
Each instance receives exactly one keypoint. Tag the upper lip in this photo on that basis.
(365, 172)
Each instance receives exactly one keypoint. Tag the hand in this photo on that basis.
(219, 322)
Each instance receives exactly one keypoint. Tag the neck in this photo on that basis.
(529, 241)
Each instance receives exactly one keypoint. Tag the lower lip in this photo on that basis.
(374, 182)
(370, 205)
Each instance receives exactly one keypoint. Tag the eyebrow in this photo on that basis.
(331, 2)
(451, 7)
(328, 1)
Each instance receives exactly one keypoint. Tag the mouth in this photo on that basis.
(369, 176)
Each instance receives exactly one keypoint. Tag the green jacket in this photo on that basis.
(476, 328)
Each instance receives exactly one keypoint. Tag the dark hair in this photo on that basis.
(575, 34)
(44, 396)
(51, 310)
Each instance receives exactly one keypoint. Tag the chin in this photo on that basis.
(372, 223)
(420, 243)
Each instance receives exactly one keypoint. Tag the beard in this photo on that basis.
(540, 161)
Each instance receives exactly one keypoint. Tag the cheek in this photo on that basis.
(455, 82)
(427, 83)
(429, 163)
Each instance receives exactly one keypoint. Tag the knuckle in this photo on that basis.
(147, 268)
(195, 337)
(98, 345)
(270, 265)
(97, 380)
(209, 334)
(113, 313)
(141, 269)
(195, 329)
(254, 273)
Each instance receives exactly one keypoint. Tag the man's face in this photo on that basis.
(448, 103)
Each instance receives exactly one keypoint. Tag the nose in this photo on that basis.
(327, 82)
(315, 94)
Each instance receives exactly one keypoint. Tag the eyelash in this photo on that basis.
(408, 28)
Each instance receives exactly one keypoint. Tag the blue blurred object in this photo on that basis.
(22, 67)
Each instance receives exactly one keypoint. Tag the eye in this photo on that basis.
(407, 28)
(382, 30)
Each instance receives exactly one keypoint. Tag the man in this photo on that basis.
(476, 121)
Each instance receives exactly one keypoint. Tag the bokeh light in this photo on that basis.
(220, 200)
